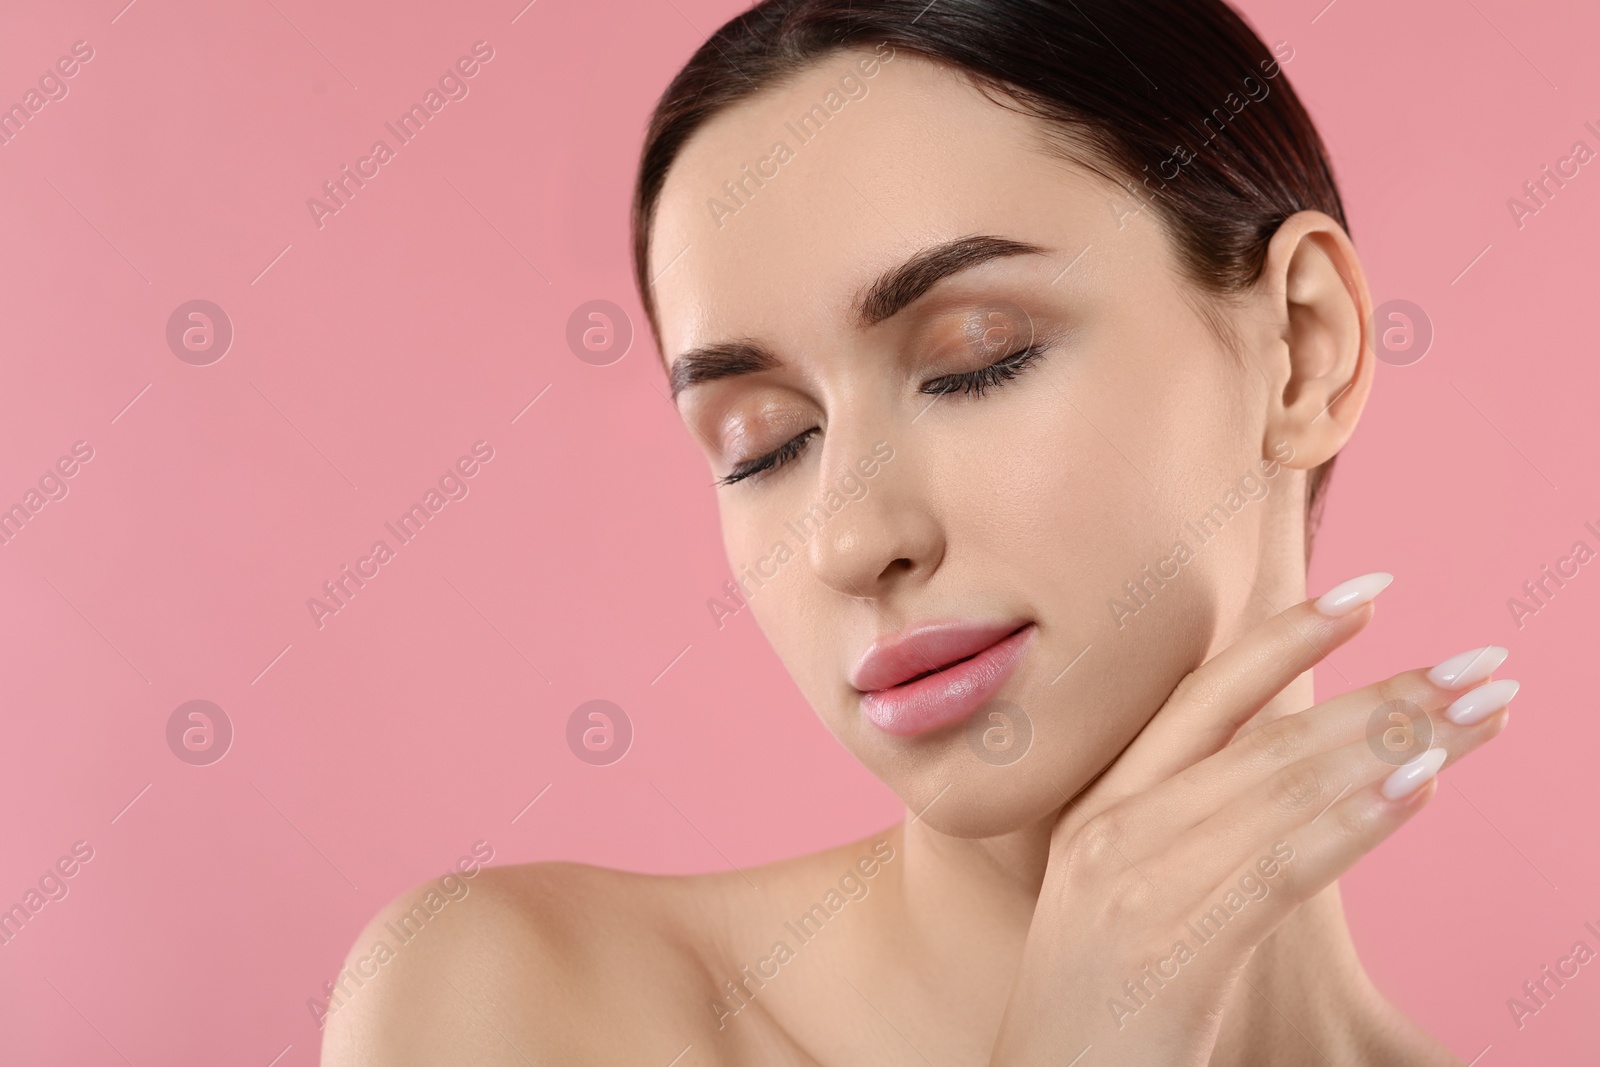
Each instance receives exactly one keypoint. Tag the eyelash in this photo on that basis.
(983, 379)
(976, 382)
(764, 465)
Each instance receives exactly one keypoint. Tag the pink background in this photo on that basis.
(427, 314)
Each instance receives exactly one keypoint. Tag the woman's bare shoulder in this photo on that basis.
(544, 962)
(517, 964)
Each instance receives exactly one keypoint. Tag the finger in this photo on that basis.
(1213, 701)
(1323, 849)
(1257, 894)
(1394, 720)
(1305, 792)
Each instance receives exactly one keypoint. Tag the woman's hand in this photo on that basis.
(1202, 837)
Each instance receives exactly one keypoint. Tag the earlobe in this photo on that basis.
(1322, 305)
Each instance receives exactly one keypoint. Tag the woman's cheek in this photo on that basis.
(777, 586)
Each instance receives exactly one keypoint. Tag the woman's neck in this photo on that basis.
(1002, 875)
(966, 903)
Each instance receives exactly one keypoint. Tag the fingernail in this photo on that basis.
(1409, 777)
(1346, 597)
(1468, 668)
(1482, 702)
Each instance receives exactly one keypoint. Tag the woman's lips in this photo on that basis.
(972, 663)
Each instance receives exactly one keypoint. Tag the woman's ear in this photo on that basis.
(1318, 347)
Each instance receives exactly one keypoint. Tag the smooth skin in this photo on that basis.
(1173, 747)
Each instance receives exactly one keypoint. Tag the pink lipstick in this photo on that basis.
(937, 674)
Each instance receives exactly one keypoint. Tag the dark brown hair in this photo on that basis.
(1177, 100)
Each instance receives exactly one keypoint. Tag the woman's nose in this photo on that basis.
(870, 533)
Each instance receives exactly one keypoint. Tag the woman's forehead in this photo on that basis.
(785, 205)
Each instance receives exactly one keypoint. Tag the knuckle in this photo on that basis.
(1411, 687)
(1352, 821)
(1110, 825)
(1127, 901)
(1093, 852)
(1096, 847)
(1298, 786)
(1277, 742)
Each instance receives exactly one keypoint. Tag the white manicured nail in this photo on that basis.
(1468, 668)
(1482, 702)
(1346, 597)
(1409, 777)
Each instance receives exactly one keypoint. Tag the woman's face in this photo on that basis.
(890, 505)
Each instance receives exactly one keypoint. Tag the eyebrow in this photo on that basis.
(884, 298)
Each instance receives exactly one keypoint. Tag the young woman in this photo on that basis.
(1020, 337)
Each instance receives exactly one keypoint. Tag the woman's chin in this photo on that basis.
(984, 800)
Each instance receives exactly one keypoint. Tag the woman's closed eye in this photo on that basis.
(979, 381)
(976, 382)
(762, 466)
